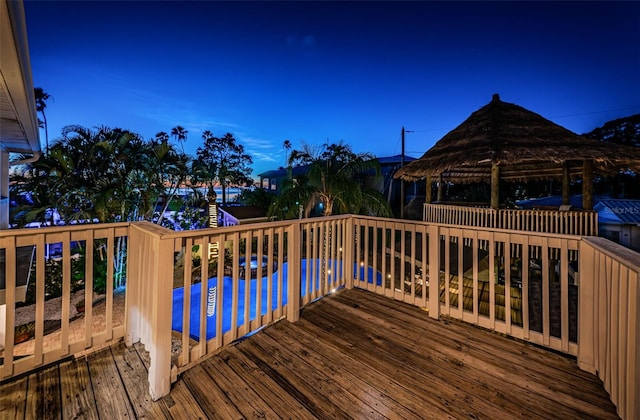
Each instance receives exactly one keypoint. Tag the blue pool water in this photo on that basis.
(227, 299)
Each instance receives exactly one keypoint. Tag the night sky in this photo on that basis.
(324, 72)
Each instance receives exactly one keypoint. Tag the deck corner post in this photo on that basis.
(160, 324)
(132, 314)
(434, 271)
(349, 239)
(294, 243)
(586, 308)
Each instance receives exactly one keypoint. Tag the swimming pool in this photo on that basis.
(227, 299)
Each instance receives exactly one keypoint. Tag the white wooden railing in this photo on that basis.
(542, 221)
(610, 320)
(569, 293)
(296, 263)
(99, 325)
(577, 295)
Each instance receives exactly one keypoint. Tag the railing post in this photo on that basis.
(294, 274)
(586, 308)
(160, 346)
(434, 271)
(149, 307)
(349, 245)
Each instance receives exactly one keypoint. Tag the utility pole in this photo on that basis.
(402, 181)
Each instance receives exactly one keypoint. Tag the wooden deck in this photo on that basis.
(352, 355)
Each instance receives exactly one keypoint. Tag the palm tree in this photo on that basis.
(287, 146)
(180, 134)
(41, 103)
(334, 182)
(222, 160)
(162, 137)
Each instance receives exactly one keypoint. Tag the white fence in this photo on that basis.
(583, 223)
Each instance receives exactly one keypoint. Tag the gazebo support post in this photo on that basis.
(495, 186)
(428, 189)
(565, 183)
(587, 184)
(440, 187)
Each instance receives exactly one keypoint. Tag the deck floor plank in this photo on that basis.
(78, 400)
(264, 385)
(134, 377)
(420, 370)
(527, 368)
(43, 398)
(379, 391)
(341, 353)
(465, 335)
(247, 401)
(182, 404)
(13, 399)
(111, 396)
(351, 355)
(324, 379)
(308, 390)
(213, 401)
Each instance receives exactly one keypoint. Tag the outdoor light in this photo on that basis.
(361, 263)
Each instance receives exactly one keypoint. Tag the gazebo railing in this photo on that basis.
(543, 221)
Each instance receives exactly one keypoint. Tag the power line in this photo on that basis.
(596, 112)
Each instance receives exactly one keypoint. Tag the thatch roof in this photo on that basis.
(524, 144)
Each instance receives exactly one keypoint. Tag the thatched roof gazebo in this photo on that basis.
(504, 141)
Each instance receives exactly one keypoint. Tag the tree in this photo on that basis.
(333, 182)
(624, 130)
(287, 146)
(222, 160)
(41, 103)
(259, 197)
(161, 138)
(180, 134)
(104, 175)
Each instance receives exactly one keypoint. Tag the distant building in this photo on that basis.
(233, 215)
(272, 180)
(619, 221)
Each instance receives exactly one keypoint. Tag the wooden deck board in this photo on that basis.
(263, 384)
(423, 372)
(13, 399)
(43, 399)
(78, 400)
(354, 354)
(134, 377)
(111, 396)
(523, 371)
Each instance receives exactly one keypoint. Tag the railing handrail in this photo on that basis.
(80, 227)
(476, 207)
(626, 256)
(168, 233)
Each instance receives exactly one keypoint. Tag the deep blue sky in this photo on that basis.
(270, 71)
